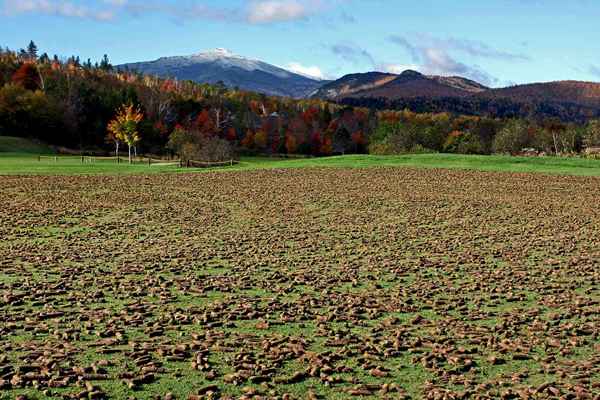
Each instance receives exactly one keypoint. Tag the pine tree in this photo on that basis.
(32, 51)
(44, 59)
(105, 64)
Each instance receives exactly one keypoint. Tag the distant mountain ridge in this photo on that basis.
(221, 65)
(568, 100)
(408, 84)
(576, 92)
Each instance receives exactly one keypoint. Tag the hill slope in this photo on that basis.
(584, 93)
(10, 144)
(567, 100)
(409, 84)
(221, 65)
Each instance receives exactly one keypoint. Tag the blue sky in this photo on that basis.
(497, 42)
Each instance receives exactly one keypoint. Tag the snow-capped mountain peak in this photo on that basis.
(223, 65)
(223, 52)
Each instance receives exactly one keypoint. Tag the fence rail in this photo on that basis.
(210, 164)
(143, 160)
(118, 160)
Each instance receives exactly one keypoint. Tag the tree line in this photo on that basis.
(97, 107)
(504, 108)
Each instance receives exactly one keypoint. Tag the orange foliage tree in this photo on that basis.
(123, 128)
(28, 76)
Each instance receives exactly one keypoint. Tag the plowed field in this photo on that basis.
(300, 284)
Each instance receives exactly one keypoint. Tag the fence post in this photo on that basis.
(149, 161)
(55, 159)
(82, 160)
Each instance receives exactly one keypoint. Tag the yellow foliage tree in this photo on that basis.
(260, 139)
(123, 128)
(291, 144)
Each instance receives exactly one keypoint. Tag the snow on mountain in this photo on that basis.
(233, 70)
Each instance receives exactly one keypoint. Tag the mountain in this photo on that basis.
(574, 92)
(568, 100)
(409, 84)
(353, 83)
(221, 65)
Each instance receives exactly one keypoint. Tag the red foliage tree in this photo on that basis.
(326, 146)
(231, 134)
(28, 76)
(316, 142)
(291, 144)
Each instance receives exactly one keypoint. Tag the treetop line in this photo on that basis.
(95, 107)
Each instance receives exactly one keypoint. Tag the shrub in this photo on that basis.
(463, 143)
(381, 149)
(191, 145)
(215, 149)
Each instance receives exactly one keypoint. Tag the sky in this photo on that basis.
(495, 42)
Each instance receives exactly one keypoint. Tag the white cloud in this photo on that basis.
(397, 68)
(435, 59)
(251, 11)
(62, 8)
(266, 11)
(308, 71)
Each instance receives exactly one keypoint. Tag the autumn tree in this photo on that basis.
(291, 144)
(111, 137)
(592, 134)
(195, 146)
(124, 126)
(512, 138)
(28, 76)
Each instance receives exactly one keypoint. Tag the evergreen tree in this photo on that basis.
(105, 64)
(32, 51)
(44, 59)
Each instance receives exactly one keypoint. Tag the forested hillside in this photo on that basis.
(71, 103)
(78, 105)
(569, 101)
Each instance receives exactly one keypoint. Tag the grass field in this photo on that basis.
(19, 156)
(11, 144)
(28, 164)
(300, 284)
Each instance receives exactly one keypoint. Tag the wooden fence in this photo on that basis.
(118, 160)
(211, 164)
(145, 160)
